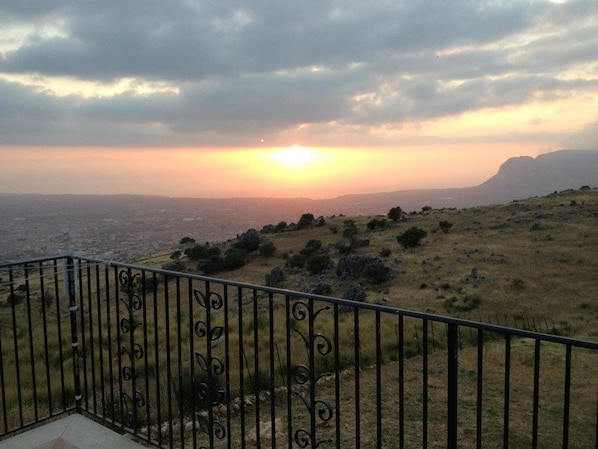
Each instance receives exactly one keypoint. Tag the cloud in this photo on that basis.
(240, 70)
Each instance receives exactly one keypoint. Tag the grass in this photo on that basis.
(539, 277)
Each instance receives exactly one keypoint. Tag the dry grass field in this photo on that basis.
(536, 261)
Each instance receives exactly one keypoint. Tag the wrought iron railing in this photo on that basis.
(179, 360)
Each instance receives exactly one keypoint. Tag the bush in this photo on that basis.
(411, 237)
(312, 248)
(175, 265)
(445, 226)
(395, 213)
(296, 261)
(267, 249)
(281, 226)
(365, 267)
(186, 240)
(234, 258)
(318, 263)
(275, 277)
(350, 230)
(198, 252)
(212, 264)
(305, 221)
(248, 241)
(376, 223)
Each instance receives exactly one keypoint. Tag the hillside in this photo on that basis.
(530, 263)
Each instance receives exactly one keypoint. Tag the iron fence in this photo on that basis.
(179, 360)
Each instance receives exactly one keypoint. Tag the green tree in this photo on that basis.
(176, 254)
(186, 240)
(248, 241)
(395, 213)
(411, 237)
(234, 258)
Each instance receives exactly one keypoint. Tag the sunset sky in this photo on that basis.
(307, 98)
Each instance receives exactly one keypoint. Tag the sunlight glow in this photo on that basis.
(295, 156)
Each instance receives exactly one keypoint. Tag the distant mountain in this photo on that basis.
(517, 178)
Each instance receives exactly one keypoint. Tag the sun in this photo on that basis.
(295, 156)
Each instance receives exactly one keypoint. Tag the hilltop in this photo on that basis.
(530, 263)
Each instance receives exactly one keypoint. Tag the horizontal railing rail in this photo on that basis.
(181, 360)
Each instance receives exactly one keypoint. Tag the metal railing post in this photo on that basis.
(452, 349)
(70, 279)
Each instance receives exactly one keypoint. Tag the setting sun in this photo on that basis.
(295, 156)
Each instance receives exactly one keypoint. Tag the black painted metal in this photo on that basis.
(177, 360)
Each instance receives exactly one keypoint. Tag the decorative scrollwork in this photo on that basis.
(208, 392)
(316, 344)
(134, 351)
(214, 363)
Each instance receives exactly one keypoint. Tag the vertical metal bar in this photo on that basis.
(3, 389)
(119, 349)
(312, 373)
(337, 380)
(241, 366)
(112, 400)
(168, 360)
(192, 359)
(31, 351)
(70, 271)
(479, 399)
(179, 339)
(59, 336)
(272, 369)
(45, 331)
(256, 368)
(567, 404)
(401, 342)
(79, 278)
(146, 350)
(452, 383)
(91, 346)
(227, 355)
(536, 406)
(357, 378)
(157, 357)
(425, 383)
(289, 372)
(98, 306)
(378, 383)
(507, 391)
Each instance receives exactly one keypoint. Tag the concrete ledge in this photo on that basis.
(72, 432)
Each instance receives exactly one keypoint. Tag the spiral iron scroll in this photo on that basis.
(133, 351)
(315, 343)
(210, 365)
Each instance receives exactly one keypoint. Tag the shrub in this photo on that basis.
(311, 248)
(395, 213)
(275, 277)
(267, 249)
(186, 240)
(175, 265)
(464, 304)
(248, 241)
(355, 292)
(411, 237)
(365, 267)
(198, 252)
(212, 264)
(234, 258)
(176, 254)
(305, 221)
(318, 263)
(296, 261)
(445, 226)
(350, 230)
(281, 226)
(376, 223)
(385, 252)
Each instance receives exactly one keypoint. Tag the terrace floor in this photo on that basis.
(72, 432)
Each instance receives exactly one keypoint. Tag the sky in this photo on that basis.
(314, 98)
